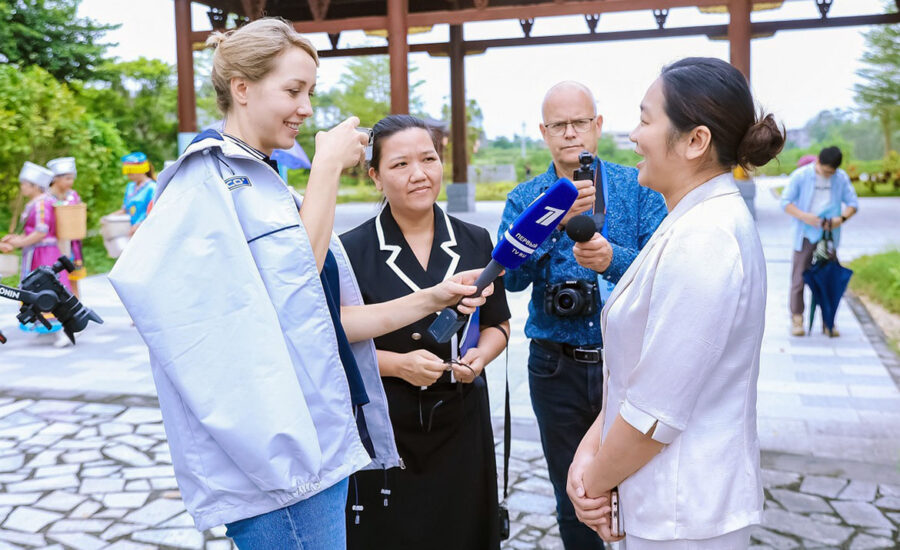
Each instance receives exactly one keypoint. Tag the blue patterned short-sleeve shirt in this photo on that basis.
(632, 215)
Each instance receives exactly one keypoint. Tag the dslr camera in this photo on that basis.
(41, 292)
(571, 298)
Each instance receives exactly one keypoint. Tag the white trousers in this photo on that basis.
(735, 540)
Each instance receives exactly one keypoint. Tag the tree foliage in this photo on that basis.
(880, 93)
(141, 99)
(859, 132)
(40, 119)
(474, 131)
(364, 91)
(47, 33)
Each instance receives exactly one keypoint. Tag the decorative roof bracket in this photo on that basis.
(218, 19)
(526, 24)
(661, 16)
(318, 9)
(825, 5)
(594, 18)
(334, 37)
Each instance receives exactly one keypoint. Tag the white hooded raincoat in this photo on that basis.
(223, 287)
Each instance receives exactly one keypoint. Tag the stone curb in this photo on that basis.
(876, 336)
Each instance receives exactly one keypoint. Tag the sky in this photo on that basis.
(794, 74)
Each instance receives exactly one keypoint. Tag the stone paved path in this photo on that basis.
(85, 474)
(84, 464)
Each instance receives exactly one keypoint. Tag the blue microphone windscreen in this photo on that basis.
(534, 225)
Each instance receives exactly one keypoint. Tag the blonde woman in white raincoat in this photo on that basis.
(260, 348)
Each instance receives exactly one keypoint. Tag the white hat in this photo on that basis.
(36, 174)
(62, 165)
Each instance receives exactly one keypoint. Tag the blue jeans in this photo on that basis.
(566, 396)
(316, 523)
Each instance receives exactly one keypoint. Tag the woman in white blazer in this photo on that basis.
(683, 329)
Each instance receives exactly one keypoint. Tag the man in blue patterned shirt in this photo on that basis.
(565, 364)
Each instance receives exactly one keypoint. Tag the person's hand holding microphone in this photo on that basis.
(591, 249)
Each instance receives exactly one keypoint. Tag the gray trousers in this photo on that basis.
(801, 261)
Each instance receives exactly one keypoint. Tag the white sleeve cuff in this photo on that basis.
(644, 422)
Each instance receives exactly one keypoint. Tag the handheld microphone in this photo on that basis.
(581, 228)
(517, 244)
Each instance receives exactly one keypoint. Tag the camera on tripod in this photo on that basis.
(41, 292)
(571, 298)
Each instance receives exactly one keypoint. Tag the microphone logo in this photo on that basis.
(551, 215)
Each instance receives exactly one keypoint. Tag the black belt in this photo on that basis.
(590, 353)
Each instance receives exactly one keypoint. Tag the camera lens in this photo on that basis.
(567, 302)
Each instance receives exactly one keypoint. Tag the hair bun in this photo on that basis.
(216, 38)
(762, 142)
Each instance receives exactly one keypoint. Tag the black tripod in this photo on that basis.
(41, 292)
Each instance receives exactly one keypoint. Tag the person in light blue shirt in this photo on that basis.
(565, 367)
(818, 194)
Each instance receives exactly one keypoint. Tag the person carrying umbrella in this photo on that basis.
(819, 194)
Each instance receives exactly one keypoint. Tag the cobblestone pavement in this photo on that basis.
(84, 463)
(86, 473)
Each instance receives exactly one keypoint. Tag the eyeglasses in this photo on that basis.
(581, 126)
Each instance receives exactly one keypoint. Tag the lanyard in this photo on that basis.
(601, 188)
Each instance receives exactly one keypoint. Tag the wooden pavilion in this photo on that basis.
(398, 16)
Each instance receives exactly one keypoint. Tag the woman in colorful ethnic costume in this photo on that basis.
(444, 496)
(61, 189)
(141, 188)
(38, 240)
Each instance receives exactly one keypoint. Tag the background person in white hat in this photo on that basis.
(61, 189)
(38, 239)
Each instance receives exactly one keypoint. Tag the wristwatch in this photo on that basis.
(843, 218)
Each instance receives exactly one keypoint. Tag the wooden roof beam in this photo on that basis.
(489, 13)
(760, 27)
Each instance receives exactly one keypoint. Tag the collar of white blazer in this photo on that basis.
(718, 186)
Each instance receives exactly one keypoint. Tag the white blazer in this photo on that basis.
(684, 327)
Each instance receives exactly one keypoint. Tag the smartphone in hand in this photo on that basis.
(616, 527)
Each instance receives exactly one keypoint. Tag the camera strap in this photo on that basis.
(507, 441)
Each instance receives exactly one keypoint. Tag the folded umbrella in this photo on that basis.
(827, 279)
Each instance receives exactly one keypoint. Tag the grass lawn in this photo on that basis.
(878, 277)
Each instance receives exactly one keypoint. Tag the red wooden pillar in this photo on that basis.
(398, 49)
(739, 35)
(461, 193)
(458, 104)
(187, 102)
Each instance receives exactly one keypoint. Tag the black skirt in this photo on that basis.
(446, 496)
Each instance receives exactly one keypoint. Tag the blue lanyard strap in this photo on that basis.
(602, 198)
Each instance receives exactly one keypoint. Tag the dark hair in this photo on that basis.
(704, 91)
(391, 125)
(831, 156)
